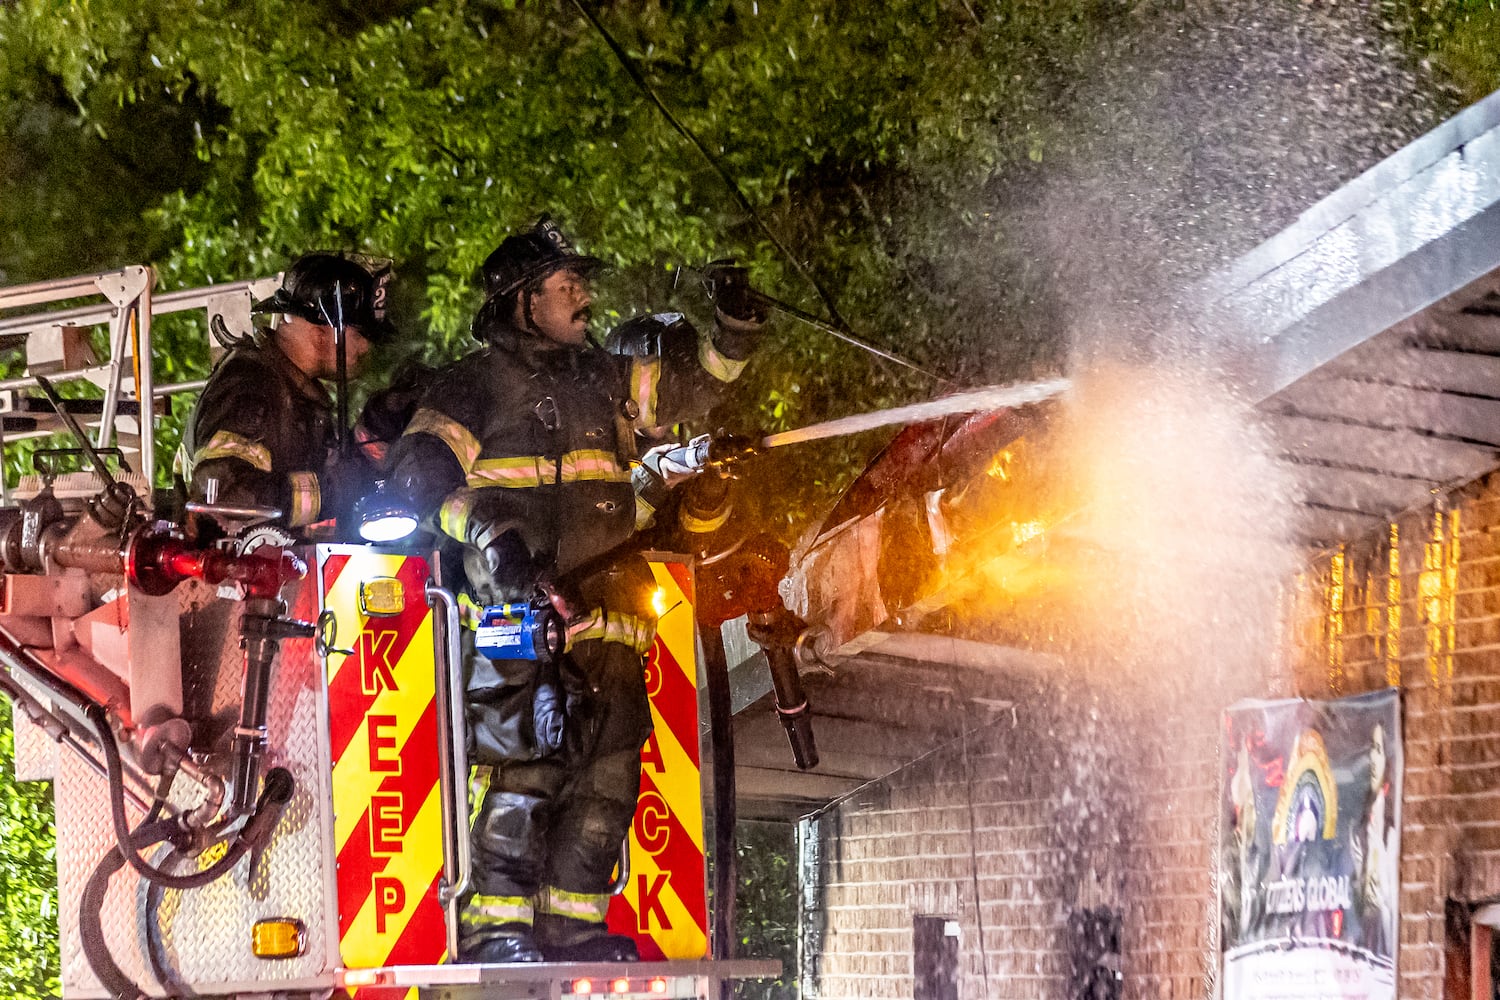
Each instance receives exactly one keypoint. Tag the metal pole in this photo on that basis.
(721, 738)
(145, 388)
(453, 766)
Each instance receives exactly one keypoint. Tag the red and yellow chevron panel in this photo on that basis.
(382, 711)
(665, 906)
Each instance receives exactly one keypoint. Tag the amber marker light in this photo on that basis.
(278, 937)
(382, 596)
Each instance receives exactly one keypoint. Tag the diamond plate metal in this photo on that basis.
(36, 752)
(206, 932)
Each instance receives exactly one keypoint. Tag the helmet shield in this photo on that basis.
(324, 288)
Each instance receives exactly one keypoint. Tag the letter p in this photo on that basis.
(390, 898)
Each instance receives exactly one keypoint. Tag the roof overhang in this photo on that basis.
(1367, 334)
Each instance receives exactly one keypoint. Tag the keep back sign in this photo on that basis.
(665, 906)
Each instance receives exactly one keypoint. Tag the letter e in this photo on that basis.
(381, 739)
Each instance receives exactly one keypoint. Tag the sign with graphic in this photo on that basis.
(665, 905)
(1309, 904)
(382, 714)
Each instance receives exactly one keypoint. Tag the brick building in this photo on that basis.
(1015, 803)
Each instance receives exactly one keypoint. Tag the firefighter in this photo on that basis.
(264, 429)
(522, 451)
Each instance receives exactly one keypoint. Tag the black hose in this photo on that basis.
(255, 832)
(91, 910)
(123, 840)
(156, 948)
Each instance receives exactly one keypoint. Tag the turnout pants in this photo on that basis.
(547, 826)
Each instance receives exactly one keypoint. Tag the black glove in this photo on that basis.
(729, 288)
(341, 484)
(501, 565)
(549, 713)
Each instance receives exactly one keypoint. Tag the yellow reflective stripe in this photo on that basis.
(469, 613)
(593, 465)
(225, 444)
(644, 513)
(589, 906)
(479, 786)
(522, 471)
(453, 515)
(307, 500)
(725, 369)
(464, 445)
(645, 374)
(487, 911)
(614, 626)
(702, 525)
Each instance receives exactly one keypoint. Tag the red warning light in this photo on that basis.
(620, 986)
(583, 986)
(658, 985)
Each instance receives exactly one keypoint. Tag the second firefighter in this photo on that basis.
(521, 452)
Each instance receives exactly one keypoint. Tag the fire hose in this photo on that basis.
(273, 800)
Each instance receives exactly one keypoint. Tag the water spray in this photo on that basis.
(994, 397)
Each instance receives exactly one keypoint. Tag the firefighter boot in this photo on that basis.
(507, 944)
(496, 930)
(569, 939)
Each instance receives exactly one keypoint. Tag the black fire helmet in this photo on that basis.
(319, 285)
(533, 254)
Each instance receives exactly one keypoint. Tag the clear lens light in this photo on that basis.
(387, 527)
(583, 986)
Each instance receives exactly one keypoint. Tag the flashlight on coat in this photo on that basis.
(521, 630)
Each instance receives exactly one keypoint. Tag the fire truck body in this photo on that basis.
(129, 649)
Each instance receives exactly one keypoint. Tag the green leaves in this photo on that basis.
(28, 878)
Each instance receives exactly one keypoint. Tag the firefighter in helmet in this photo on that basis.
(264, 431)
(521, 452)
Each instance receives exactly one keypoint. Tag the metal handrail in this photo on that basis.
(128, 312)
(182, 300)
(453, 765)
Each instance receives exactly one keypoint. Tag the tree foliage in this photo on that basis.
(864, 135)
(1462, 37)
(28, 878)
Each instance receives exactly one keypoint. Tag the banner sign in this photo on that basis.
(1311, 828)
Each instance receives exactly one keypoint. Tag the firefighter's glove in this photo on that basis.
(674, 464)
(549, 715)
(344, 480)
(729, 288)
(505, 561)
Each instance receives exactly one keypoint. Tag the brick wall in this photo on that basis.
(1418, 605)
(1060, 808)
(1097, 796)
